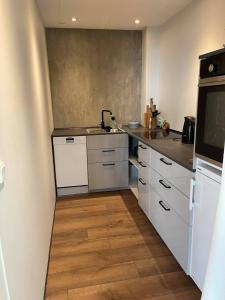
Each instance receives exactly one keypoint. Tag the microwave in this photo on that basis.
(210, 128)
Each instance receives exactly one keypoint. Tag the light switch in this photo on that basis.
(2, 172)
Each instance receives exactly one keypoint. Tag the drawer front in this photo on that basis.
(144, 152)
(107, 155)
(172, 229)
(107, 141)
(177, 175)
(168, 192)
(144, 171)
(143, 194)
(108, 175)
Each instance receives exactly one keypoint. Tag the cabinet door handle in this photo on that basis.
(111, 150)
(165, 162)
(141, 164)
(141, 181)
(164, 184)
(143, 147)
(164, 206)
(108, 164)
(191, 199)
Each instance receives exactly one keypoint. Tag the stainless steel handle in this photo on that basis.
(142, 147)
(142, 164)
(165, 162)
(212, 81)
(108, 164)
(166, 208)
(191, 199)
(111, 150)
(164, 184)
(141, 181)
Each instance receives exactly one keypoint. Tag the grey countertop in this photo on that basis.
(167, 143)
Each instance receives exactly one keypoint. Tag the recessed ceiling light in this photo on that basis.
(74, 19)
(137, 21)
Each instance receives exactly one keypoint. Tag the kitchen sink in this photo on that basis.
(98, 130)
(95, 130)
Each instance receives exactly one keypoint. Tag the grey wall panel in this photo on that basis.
(91, 70)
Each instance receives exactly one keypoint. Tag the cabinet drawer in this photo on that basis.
(171, 228)
(107, 155)
(168, 192)
(108, 175)
(143, 194)
(176, 174)
(107, 141)
(144, 152)
(144, 171)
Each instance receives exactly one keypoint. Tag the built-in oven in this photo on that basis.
(210, 129)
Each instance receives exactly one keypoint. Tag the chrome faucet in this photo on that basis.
(103, 123)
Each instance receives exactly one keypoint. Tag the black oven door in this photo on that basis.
(210, 131)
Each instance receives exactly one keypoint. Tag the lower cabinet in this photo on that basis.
(108, 167)
(165, 205)
(143, 194)
(108, 175)
(173, 230)
(143, 187)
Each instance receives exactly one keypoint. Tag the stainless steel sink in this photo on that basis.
(97, 130)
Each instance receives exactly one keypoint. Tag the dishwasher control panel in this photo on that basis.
(69, 140)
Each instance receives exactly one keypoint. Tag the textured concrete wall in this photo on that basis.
(91, 70)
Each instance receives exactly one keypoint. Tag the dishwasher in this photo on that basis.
(70, 157)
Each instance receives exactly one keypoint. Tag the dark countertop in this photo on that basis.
(167, 144)
(57, 132)
(76, 131)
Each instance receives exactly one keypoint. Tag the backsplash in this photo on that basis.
(91, 70)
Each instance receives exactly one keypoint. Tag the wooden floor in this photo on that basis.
(104, 248)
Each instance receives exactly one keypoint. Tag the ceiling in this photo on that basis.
(108, 14)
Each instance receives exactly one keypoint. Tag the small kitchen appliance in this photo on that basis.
(188, 130)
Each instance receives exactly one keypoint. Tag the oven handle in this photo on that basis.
(212, 81)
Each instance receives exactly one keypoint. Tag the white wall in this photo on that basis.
(198, 29)
(150, 68)
(27, 198)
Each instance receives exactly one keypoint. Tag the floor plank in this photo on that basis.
(104, 248)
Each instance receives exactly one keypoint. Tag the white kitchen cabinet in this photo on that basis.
(144, 152)
(206, 197)
(143, 197)
(170, 226)
(143, 178)
(169, 169)
(144, 187)
(173, 196)
(163, 188)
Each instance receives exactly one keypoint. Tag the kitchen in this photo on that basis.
(132, 207)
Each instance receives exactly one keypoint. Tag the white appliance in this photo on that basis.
(70, 154)
(206, 196)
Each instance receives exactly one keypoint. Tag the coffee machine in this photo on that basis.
(188, 130)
